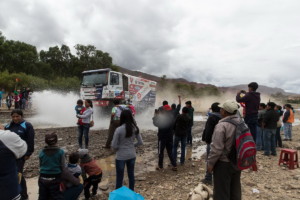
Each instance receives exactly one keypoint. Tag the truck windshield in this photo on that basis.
(92, 79)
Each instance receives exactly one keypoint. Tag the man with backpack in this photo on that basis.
(227, 183)
(114, 121)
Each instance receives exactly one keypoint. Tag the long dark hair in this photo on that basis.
(127, 119)
(90, 102)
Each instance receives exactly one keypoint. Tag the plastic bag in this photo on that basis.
(124, 193)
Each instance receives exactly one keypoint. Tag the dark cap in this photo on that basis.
(51, 138)
(188, 103)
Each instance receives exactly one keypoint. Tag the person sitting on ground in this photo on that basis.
(227, 180)
(251, 100)
(12, 147)
(73, 188)
(270, 124)
(91, 168)
(176, 109)
(52, 163)
(125, 145)
(163, 119)
(278, 142)
(181, 126)
(288, 120)
(188, 105)
(260, 129)
(114, 122)
(211, 122)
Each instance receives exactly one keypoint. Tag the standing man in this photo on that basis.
(163, 119)
(176, 109)
(212, 121)
(288, 120)
(270, 124)
(251, 100)
(188, 104)
(114, 122)
(260, 129)
(227, 180)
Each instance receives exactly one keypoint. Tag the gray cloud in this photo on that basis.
(218, 42)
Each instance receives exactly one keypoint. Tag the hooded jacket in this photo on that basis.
(222, 140)
(251, 100)
(210, 125)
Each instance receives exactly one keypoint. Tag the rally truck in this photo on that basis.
(102, 86)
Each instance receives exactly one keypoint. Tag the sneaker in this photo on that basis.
(159, 168)
(285, 139)
(206, 181)
(174, 168)
(106, 147)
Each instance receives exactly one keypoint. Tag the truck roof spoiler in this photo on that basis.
(96, 70)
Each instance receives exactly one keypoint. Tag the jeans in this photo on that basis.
(259, 138)
(73, 192)
(189, 136)
(269, 140)
(227, 182)
(168, 144)
(252, 121)
(50, 189)
(83, 130)
(120, 167)
(182, 141)
(208, 176)
(287, 128)
(278, 137)
(93, 180)
(20, 165)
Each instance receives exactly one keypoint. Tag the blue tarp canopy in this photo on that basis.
(124, 193)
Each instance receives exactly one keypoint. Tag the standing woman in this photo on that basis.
(124, 143)
(84, 123)
(26, 132)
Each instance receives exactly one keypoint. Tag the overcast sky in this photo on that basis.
(219, 42)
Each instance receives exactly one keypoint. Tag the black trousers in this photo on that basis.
(93, 180)
(49, 189)
(168, 144)
(227, 182)
(111, 131)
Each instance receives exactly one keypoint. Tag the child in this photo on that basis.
(73, 188)
(94, 172)
(79, 106)
(52, 162)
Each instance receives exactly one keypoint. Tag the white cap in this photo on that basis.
(230, 106)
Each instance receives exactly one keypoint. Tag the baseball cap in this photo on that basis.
(230, 106)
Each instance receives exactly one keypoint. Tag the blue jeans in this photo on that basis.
(269, 140)
(73, 192)
(189, 136)
(259, 139)
(83, 130)
(252, 121)
(120, 166)
(287, 128)
(182, 141)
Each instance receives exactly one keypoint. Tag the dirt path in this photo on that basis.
(270, 182)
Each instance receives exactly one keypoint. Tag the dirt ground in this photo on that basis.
(269, 182)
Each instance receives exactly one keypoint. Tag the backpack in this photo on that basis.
(243, 152)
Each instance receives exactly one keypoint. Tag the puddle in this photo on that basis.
(200, 118)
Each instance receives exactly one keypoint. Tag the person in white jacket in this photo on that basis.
(84, 123)
(12, 147)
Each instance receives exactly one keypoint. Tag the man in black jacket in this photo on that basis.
(270, 124)
(163, 119)
(181, 126)
(211, 122)
(251, 100)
